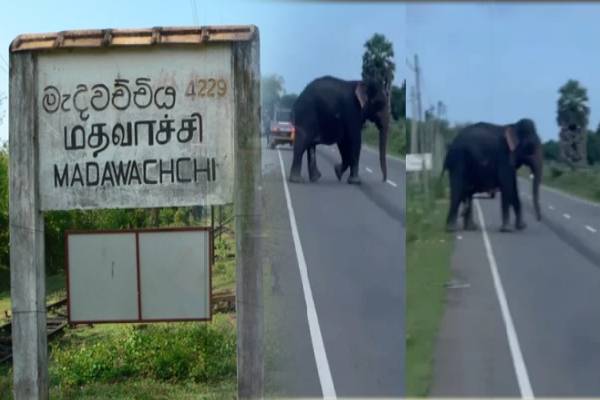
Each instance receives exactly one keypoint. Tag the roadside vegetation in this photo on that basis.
(130, 361)
(429, 251)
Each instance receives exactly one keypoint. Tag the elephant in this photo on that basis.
(331, 110)
(484, 157)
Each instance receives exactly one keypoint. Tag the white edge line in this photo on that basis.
(511, 333)
(323, 369)
(589, 228)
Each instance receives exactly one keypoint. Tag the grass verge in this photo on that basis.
(429, 250)
(584, 183)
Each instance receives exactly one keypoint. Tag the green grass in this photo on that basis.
(429, 251)
(584, 183)
(158, 361)
(396, 145)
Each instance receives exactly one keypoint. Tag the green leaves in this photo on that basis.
(378, 64)
(573, 106)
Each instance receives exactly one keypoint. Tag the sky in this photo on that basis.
(299, 40)
(502, 62)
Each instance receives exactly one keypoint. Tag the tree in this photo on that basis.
(572, 116)
(399, 101)
(378, 65)
(287, 100)
(551, 150)
(2, 111)
(593, 147)
(4, 254)
(573, 111)
(271, 90)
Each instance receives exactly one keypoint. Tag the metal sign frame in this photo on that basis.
(137, 232)
(28, 292)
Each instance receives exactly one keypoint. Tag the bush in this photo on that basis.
(194, 352)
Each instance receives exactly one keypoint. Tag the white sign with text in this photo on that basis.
(136, 127)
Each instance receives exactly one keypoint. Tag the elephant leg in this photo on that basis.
(343, 166)
(505, 201)
(313, 172)
(519, 223)
(469, 222)
(299, 148)
(355, 147)
(456, 194)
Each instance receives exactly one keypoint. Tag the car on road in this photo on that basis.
(281, 129)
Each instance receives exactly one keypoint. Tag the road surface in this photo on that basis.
(534, 329)
(334, 295)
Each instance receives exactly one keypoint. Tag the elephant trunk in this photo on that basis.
(384, 127)
(536, 165)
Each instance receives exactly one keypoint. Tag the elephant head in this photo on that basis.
(526, 149)
(375, 105)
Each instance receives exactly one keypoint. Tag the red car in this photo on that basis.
(281, 130)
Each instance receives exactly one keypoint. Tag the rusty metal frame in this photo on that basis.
(132, 37)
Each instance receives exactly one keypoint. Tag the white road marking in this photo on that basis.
(323, 369)
(392, 183)
(369, 170)
(511, 333)
(551, 207)
(567, 216)
(589, 228)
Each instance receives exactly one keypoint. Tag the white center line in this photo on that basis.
(551, 207)
(323, 369)
(392, 183)
(369, 170)
(589, 228)
(567, 216)
(511, 333)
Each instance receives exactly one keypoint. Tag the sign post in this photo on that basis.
(132, 118)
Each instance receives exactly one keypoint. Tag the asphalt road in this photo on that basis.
(344, 336)
(546, 342)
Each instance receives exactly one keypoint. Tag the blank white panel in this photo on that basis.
(174, 274)
(102, 277)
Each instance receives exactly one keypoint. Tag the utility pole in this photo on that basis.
(414, 147)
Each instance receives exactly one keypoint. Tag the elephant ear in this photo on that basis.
(511, 137)
(361, 94)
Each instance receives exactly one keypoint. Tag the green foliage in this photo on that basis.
(4, 238)
(572, 107)
(593, 147)
(287, 100)
(398, 101)
(551, 150)
(378, 64)
(397, 143)
(190, 352)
